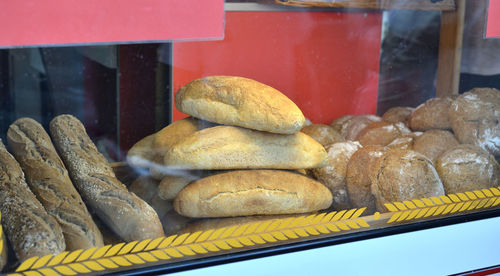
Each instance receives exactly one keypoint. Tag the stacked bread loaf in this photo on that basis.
(235, 155)
(445, 145)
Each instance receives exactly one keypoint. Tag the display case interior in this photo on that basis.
(310, 123)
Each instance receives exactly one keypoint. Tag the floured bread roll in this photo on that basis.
(231, 147)
(466, 168)
(239, 101)
(324, 134)
(352, 127)
(358, 178)
(398, 114)
(403, 175)
(252, 192)
(434, 142)
(338, 123)
(475, 118)
(382, 133)
(333, 175)
(433, 114)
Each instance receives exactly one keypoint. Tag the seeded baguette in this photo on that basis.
(29, 228)
(48, 178)
(125, 213)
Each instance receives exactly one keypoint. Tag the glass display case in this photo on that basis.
(301, 136)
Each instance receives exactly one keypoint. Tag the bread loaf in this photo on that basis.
(324, 134)
(434, 142)
(30, 230)
(48, 178)
(397, 114)
(433, 114)
(144, 187)
(252, 192)
(358, 181)
(475, 118)
(141, 154)
(400, 175)
(352, 127)
(3, 252)
(338, 123)
(230, 147)
(382, 133)
(405, 142)
(333, 175)
(125, 213)
(465, 168)
(239, 101)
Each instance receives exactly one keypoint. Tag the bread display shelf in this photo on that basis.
(444, 5)
(263, 232)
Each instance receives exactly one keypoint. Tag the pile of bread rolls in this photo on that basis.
(446, 145)
(239, 153)
(50, 185)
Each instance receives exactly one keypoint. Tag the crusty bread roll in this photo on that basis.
(230, 147)
(324, 134)
(141, 154)
(338, 123)
(405, 142)
(333, 175)
(30, 230)
(144, 187)
(239, 101)
(358, 181)
(403, 175)
(171, 185)
(434, 142)
(475, 118)
(398, 114)
(125, 213)
(382, 133)
(353, 126)
(252, 192)
(466, 168)
(48, 178)
(433, 114)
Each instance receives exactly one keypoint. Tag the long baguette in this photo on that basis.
(48, 178)
(125, 213)
(30, 230)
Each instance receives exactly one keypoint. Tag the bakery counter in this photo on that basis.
(246, 177)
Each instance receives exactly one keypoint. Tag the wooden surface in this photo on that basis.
(450, 51)
(444, 5)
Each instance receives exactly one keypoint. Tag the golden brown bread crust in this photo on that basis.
(475, 118)
(466, 168)
(125, 213)
(241, 102)
(433, 114)
(352, 127)
(405, 142)
(230, 147)
(141, 154)
(434, 142)
(398, 114)
(324, 134)
(358, 181)
(48, 178)
(333, 175)
(403, 175)
(382, 133)
(252, 192)
(30, 230)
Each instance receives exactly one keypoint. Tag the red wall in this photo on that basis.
(326, 62)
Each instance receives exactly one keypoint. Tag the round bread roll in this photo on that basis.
(403, 175)
(324, 134)
(333, 175)
(141, 154)
(433, 114)
(467, 168)
(352, 127)
(358, 180)
(382, 133)
(398, 114)
(338, 123)
(405, 142)
(434, 142)
(475, 118)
